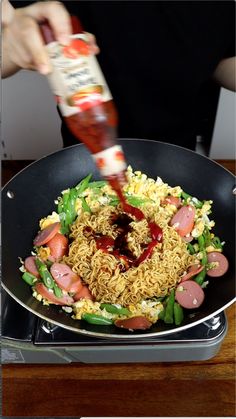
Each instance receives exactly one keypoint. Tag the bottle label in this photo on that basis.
(110, 161)
(76, 79)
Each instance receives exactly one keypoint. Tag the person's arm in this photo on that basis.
(22, 43)
(225, 73)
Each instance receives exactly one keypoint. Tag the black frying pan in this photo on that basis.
(30, 196)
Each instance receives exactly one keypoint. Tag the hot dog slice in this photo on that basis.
(173, 200)
(192, 271)
(58, 246)
(183, 220)
(65, 278)
(221, 261)
(30, 266)
(84, 292)
(189, 294)
(46, 234)
(50, 296)
(134, 323)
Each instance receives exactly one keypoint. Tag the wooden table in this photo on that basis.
(157, 389)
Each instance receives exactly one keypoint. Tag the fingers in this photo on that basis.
(93, 43)
(25, 45)
(56, 14)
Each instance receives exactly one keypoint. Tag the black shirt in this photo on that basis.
(157, 58)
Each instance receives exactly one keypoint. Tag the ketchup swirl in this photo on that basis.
(119, 246)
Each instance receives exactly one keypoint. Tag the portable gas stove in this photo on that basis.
(28, 339)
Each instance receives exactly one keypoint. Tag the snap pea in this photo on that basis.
(29, 278)
(169, 311)
(207, 236)
(96, 319)
(178, 314)
(110, 308)
(200, 277)
(44, 273)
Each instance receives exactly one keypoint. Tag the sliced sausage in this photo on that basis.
(83, 293)
(134, 323)
(173, 200)
(189, 294)
(46, 234)
(221, 261)
(183, 220)
(192, 271)
(42, 290)
(31, 267)
(58, 246)
(188, 238)
(65, 278)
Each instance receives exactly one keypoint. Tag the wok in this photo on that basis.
(30, 196)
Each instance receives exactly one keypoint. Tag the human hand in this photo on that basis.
(22, 41)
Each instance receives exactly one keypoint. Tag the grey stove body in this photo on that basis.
(28, 339)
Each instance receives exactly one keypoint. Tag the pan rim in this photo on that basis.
(120, 336)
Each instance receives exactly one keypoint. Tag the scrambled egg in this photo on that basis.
(50, 219)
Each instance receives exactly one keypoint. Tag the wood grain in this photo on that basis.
(156, 389)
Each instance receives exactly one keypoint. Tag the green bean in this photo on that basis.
(185, 195)
(169, 312)
(83, 184)
(200, 277)
(85, 206)
(29, 278)
(97, 184)
(191, 249)
(57, 291)
(204, 259)
(216, 242)
(136, 201)
(44, 273)
(201, 243)
(178, 314)
(110, 308)
(161, 315)
(96, 319)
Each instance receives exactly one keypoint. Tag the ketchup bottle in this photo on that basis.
(85, 101)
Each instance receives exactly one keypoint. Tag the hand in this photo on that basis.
(23, 46)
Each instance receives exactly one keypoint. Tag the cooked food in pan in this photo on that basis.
(106, 266)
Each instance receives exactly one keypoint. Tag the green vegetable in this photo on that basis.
(83, 184)
(110, 308)
(178, 314)
(204, 259)
(29, 278)
(191, 249)
(136, 201)
(44, 273)
(217, 243)
(85, 206)
(97, 184)
(185, 195)
(161, 315)
(169, 311)
(96, 319)
(200, 277)
(57, 291)
(201, 243)
(207, 236)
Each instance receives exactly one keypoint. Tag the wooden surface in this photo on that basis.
(204, 388)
